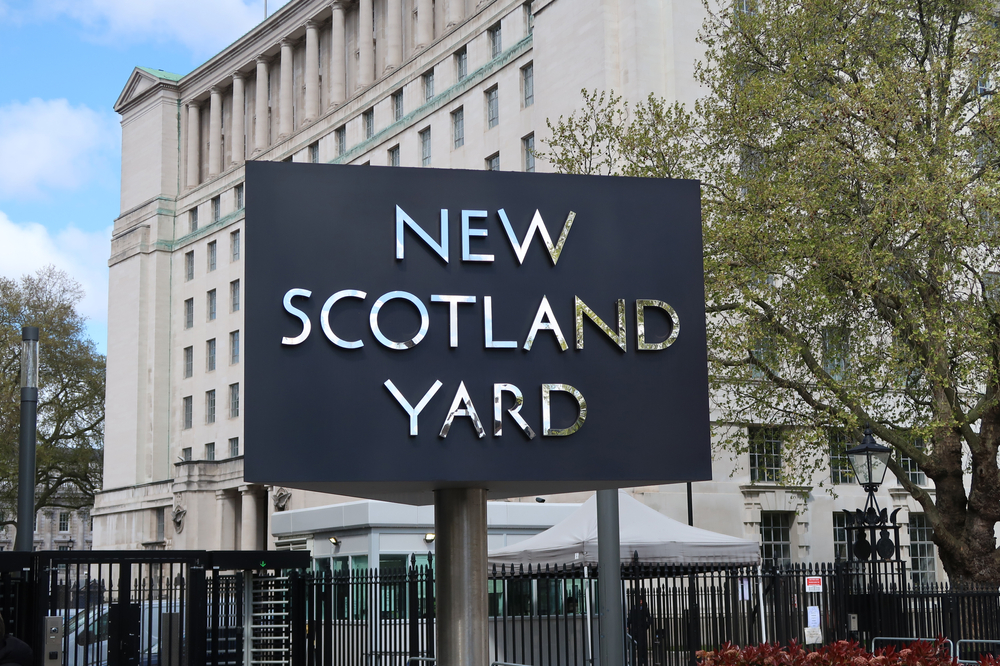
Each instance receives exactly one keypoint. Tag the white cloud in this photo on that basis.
(203, 26)
(51, 144)
(26, 247)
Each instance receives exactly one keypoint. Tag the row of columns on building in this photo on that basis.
(250, 499)
(338, 79)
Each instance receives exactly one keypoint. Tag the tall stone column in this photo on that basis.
(285, 125)
(312, 71)
(338, 56)
(425, 23)
(248, 535)
(227, 520)
(456, 12)
(215, 133)
(393, 34)
(239, 113)
(194, 144)
(262, 125)
(366, 44)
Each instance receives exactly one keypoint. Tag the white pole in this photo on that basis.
(588, 612)
(760, 598)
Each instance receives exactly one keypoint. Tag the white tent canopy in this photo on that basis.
(654, 536)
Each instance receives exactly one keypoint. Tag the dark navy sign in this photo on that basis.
(414, 329)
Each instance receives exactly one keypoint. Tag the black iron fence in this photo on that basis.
(169, 608)
(546, 616)
(188, 608)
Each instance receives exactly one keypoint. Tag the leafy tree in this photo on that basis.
(849, 165)
(70, 435)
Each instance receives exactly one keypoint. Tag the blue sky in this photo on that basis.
(63, 64)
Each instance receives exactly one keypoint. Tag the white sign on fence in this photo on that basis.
(813, 636)
(814, 584)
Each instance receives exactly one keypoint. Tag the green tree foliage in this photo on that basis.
(849, 164)
(71, 393)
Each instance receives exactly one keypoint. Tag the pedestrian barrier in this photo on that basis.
(885, 641)
(976, 652)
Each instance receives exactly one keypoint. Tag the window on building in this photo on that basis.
(368, 120)
(210, 406)
(189, 313)
(836, 350)
(528, 85)
(186, 453)
(492, 107)
(210, 451)
(923, 568)
(840, 468)
(765, 455)
(528, 152)
(840, 536)
(64, 521)
(64, 548)
(314, 152)
(234, 401)
(212, 256)
(493, 162)
(397, 105)
(188, 362)
(765, 351)
(216, 208)
(462, 63)
(210, 355)
(392, 158)
(234, 347)
(234, 296)
(340, 134)
(193, 220)
(425, 147)
(189, 265)
(188, 412)
(428, 79)
(234, 245)
(239, 196)
(458, 126)
(991, 287)
(211, 305)
(496, 42)
(910, 467)
(161, 523)
(529, 18)
(234, 447)
(776, 538)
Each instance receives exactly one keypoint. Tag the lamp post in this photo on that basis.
(870, 460)
(24, 540)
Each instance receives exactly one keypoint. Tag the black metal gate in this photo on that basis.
(143, 608)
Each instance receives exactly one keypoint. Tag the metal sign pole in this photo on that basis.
(24, 541)
(609, 578)
(460, 553)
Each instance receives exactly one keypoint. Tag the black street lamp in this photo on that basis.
(870, 527)
(869, 460)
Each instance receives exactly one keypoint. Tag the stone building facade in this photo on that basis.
(56, 529)
(440, 83)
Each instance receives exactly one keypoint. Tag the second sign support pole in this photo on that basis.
(460, 554)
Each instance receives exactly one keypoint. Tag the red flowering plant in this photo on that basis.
(841, 653)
